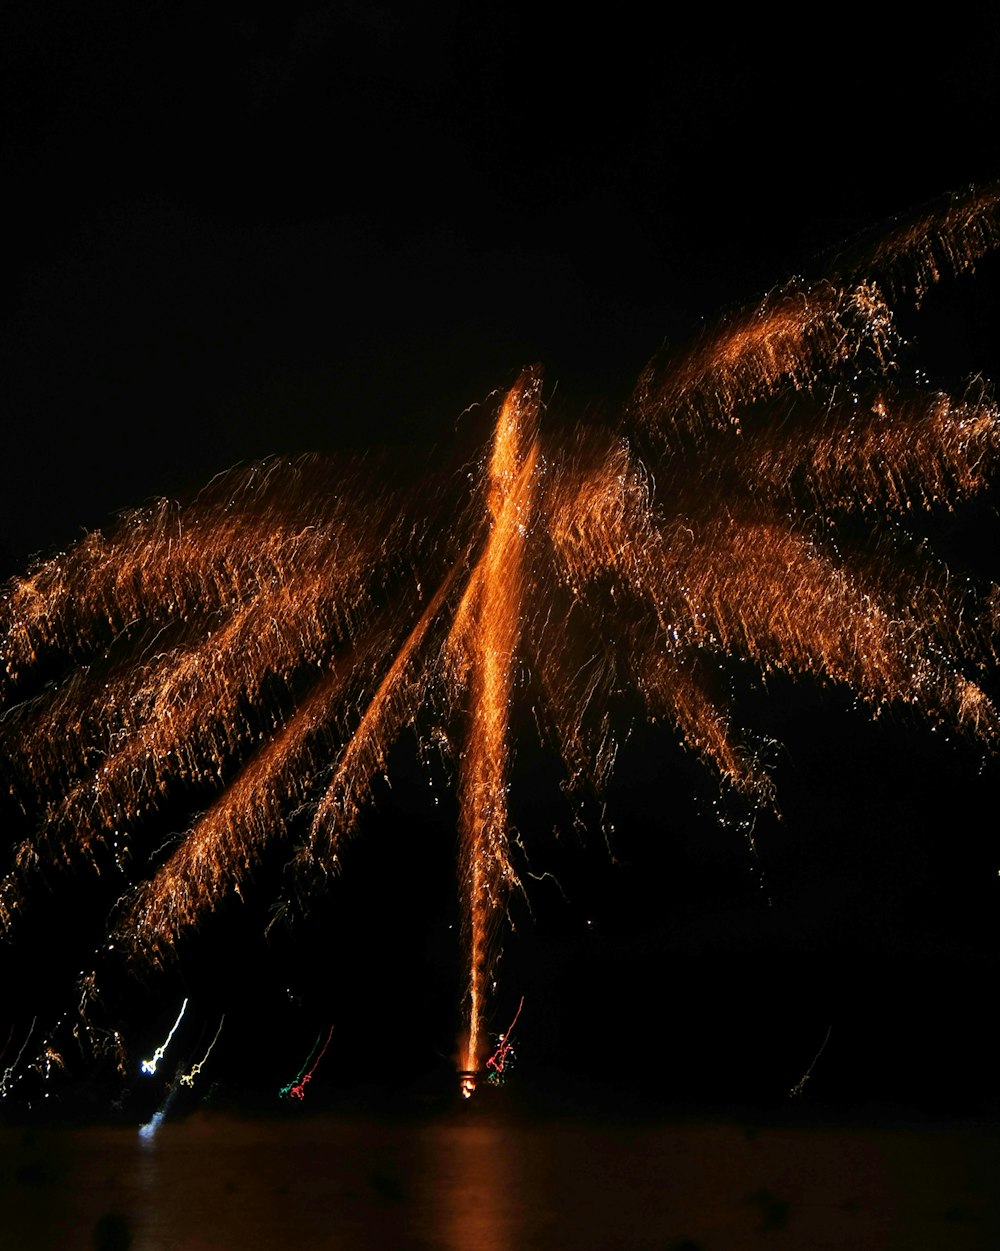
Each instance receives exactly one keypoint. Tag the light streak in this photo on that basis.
(149, 1066)
(498, 1060)
(800, 1085)
(8, 1074)
(192, 1073)
(250, 660)
(286, 1090)
(297, 1089)
(491, 645)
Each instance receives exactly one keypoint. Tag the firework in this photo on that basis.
(297, 1088)
(149, 1066)
(254, 656)
(503, 1055)
(188, 1079)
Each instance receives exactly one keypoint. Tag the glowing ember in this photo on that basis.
(485, 635)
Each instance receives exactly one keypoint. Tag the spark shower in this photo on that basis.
(250, 659)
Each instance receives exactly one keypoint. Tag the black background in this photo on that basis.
(321, 227)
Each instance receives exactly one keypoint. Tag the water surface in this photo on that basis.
(219, 1182)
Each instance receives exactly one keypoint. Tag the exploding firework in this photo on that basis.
(253, 657)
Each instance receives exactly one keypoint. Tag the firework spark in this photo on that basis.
(254, 656)
(7, 1077)
(297, 1089)
(188, 1079)
(149, 1066)
(503, 1054)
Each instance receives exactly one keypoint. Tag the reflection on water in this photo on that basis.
(482, 1166)
(212, 1183)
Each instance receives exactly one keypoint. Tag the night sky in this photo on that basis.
(333, 227)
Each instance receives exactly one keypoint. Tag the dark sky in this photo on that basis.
(268, 229)
(294, 229)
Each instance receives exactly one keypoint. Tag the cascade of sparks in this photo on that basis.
(7, 1077)
(486, 629)
(266, 645)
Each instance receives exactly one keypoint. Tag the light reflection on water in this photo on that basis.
(212, 1183)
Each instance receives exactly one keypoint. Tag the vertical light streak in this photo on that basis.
(192, 1073)
(498, 1060)
(297, 1089)
(487, 874)
(800, 1085)
(8, 1073)
(10, 1035)
(149, 1066)
(286, 1090)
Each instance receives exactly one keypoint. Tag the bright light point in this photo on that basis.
(467, 1084)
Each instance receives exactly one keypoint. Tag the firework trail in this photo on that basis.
(297, 1088)
(237, 670)
(7, 1077)
(488, 633)
(497, 1062)
(189, 1077)
(149, 1066)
